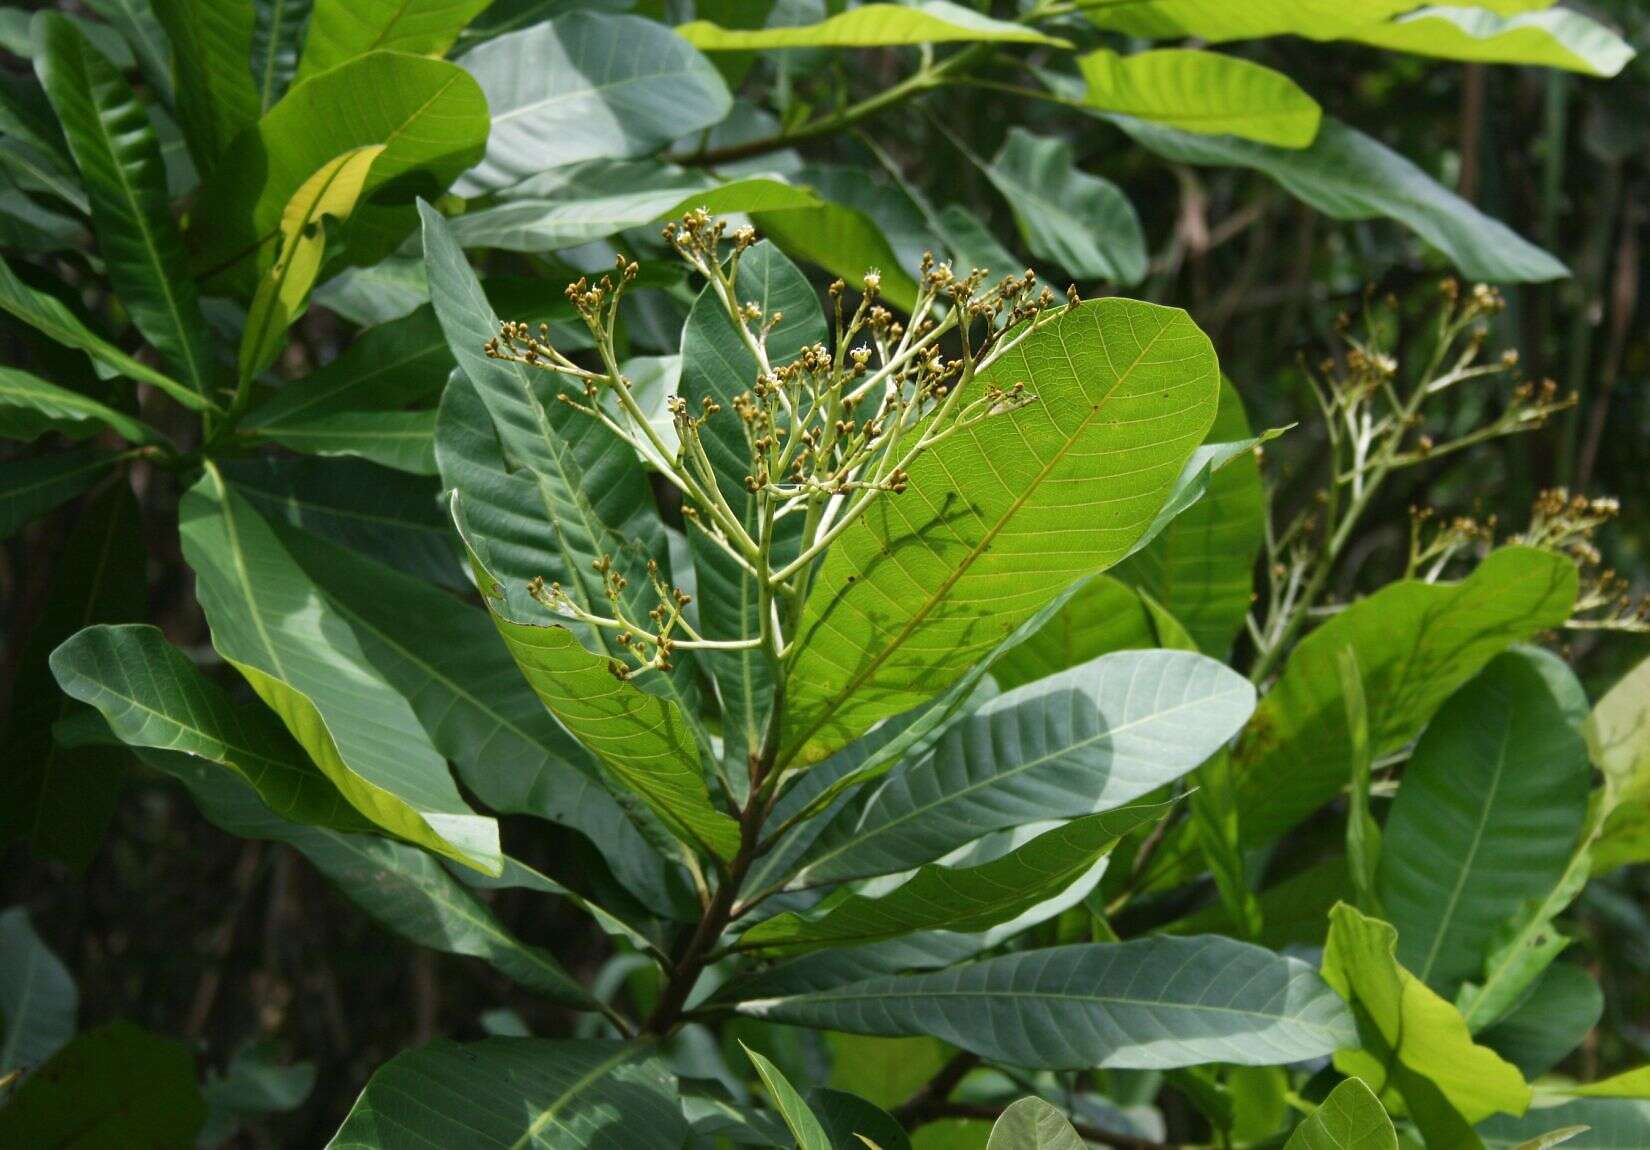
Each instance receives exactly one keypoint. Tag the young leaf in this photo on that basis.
(1089, 739)
(1075, 220)
(799, 1119)
(1202, 92)
(212, 53)
(1351, 1118)
(519, 1094)
(1412, 1041)
(38, 998)
(961, 898)
(1125, 391)
(587, 86)
(1153, 1003)
(1554, 38)
(303, 659)
(1032, 1124)
(331, 193)
(1363, 833)
(338, 31)
(115, 146)
(869, 26)
(1489, 813)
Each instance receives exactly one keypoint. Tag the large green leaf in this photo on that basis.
(1153, 1003)
(1201, 567)
(1086, 740)
(340, 30)
(1618, 735)
(1347, 175)
(1000, 518)
(402, 887)
(1489, 813)
(1606, 1124)
(1554, 38)
(801, 1121)
(1032, 1124)
(519, 1094)
(152, 696)
(304, 660)
(642, 738)
(1218, 20)
(51, 317)
(717, 365)
(429, 115)
(960, 898)
(1104, 616)
(114, 144)
(845, 242)
(1416, 644)
(587, 86)
(117, 1085)
(277, 33)
(1351, 1118)
(1202, 92)
(60, 798)
(403, 440)
(869, 26)
(31, 406)
(34, 485)
(1075, 220)
(38, 999)
(1412, 1042)
(1557, 1015)
(212, 55)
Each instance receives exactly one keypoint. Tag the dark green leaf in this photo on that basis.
(38, 999)
(33, 486)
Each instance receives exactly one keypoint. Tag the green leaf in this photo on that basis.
(402, 887)
(33, 486)
(845, 242)
(1363, 833)
(519, 1094)
(138, 26)
(642, 738)
(1032, 1124)
(211, 54)
(1555, 38)
(1416, 644)
(153, 696)
(1120, 409)
(717, 365)
(1201, 566)
(429, 115)
(870, 26)
(38, 999)
(1202, 92)
(1618, 737)
(1351, 1118)
(1218, 20)
(587, 86)
(1104, 616)
(1086, 740)
(799, 1119)
(1153, 1003)
(1588, 1124)
(30, 407)
(303, 659)
(1490, 810)
(851, 1121)
(52, 318)
(115, 146)
(341, 30)
(1412, 1041)
(277, 32)
(1551, 1022)
(330, 194)
(1078, 221)
(1347, 175)
(960, 898)
(1215, 823)
(404, 440)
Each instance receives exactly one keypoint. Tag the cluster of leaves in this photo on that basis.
(880, 655)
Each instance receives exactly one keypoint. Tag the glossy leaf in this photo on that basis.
(1347, 175)
(1154, 1003)
(960, 898)
(30, 407)
(519, 1094)
(1351, 1118)
(1086, 740)
(1075, 220)
(1202, 92)
(338, 31)
(211, 53)
(850, 1119)
(1032, 1124)
(38, 998)
(801, 1121)
(587, 86)
(305, 662)
(1552, 38)
(1124, 393)
(1489, 813)
(114, 144)
(869, 26)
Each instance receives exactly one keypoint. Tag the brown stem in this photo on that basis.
(939, 1088)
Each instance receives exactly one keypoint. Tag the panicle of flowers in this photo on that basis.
(1435, 540)
(1568, 523)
